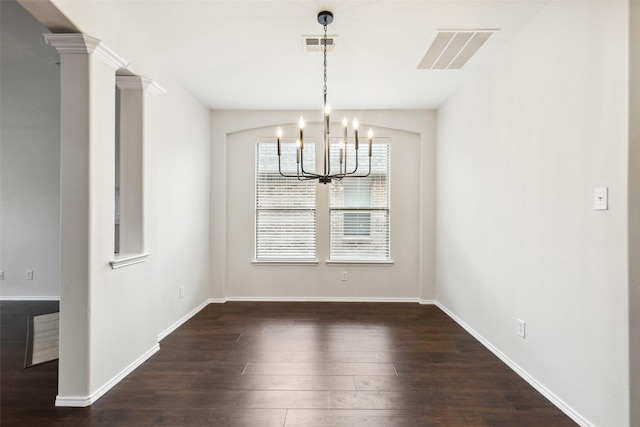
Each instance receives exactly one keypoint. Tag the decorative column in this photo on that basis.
(87, 138)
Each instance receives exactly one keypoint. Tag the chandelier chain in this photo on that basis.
(324, 90)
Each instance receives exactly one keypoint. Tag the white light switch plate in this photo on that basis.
(600, 199)
(521, 328)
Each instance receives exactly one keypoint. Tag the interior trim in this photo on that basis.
(123, 260)
(83, 401)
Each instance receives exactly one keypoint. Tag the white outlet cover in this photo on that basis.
(600, 199)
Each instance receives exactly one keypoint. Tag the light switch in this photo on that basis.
(600, 196)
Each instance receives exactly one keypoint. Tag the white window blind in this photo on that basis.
(359, 209)
(285, 207)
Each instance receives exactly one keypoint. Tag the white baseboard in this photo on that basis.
(73, 401)
(518, 370)
(83, 401)
(179, 323)
(29, 298)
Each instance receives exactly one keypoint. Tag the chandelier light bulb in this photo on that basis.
(370, 134)
(278, 139)
(355, 131)
(301, 140)
(345, 122)
(327, 110)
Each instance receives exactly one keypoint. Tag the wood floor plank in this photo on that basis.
(289, 364)
(277, 382)
(255, 399)
(379, 418)
(193, 417)
(344, 357)
(331, 368)
(379, 400)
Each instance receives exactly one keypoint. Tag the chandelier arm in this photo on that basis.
(305, 174)
(353, 173)
(285, 175)
(355, 169)
(297, 175)
(346, 146)
(368, 172)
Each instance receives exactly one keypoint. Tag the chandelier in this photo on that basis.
(344, 171)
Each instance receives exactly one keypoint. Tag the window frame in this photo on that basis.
(359, 259)
(284, 259)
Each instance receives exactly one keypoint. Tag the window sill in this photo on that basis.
(124, 260)
(292, 261)
(382, 263)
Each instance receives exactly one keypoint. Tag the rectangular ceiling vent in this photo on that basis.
(451, 49)
(315, 43)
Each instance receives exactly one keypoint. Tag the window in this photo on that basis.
(359, 211)
(285, 207)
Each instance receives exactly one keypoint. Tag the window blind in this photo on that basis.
(359, 209)
(285, 207)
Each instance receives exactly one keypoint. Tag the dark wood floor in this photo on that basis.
(290, 364)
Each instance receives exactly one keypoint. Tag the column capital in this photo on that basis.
(140, 83)
(84, 44)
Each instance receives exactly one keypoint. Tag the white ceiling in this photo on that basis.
(249, 54)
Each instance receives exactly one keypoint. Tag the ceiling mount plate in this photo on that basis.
(325, 17)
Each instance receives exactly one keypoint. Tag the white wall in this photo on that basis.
(29, 152)
(133, 305)
(177, 163)
(235, 134)
(634, 209)
(121, 313)
(520, 150)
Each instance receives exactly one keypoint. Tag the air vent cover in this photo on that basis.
(451, 49)
(314, 43)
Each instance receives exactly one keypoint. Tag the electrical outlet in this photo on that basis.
(344, 276)
(601, 199)
(181, 292)
(1, 275)
(521, 325)
(29, 275)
